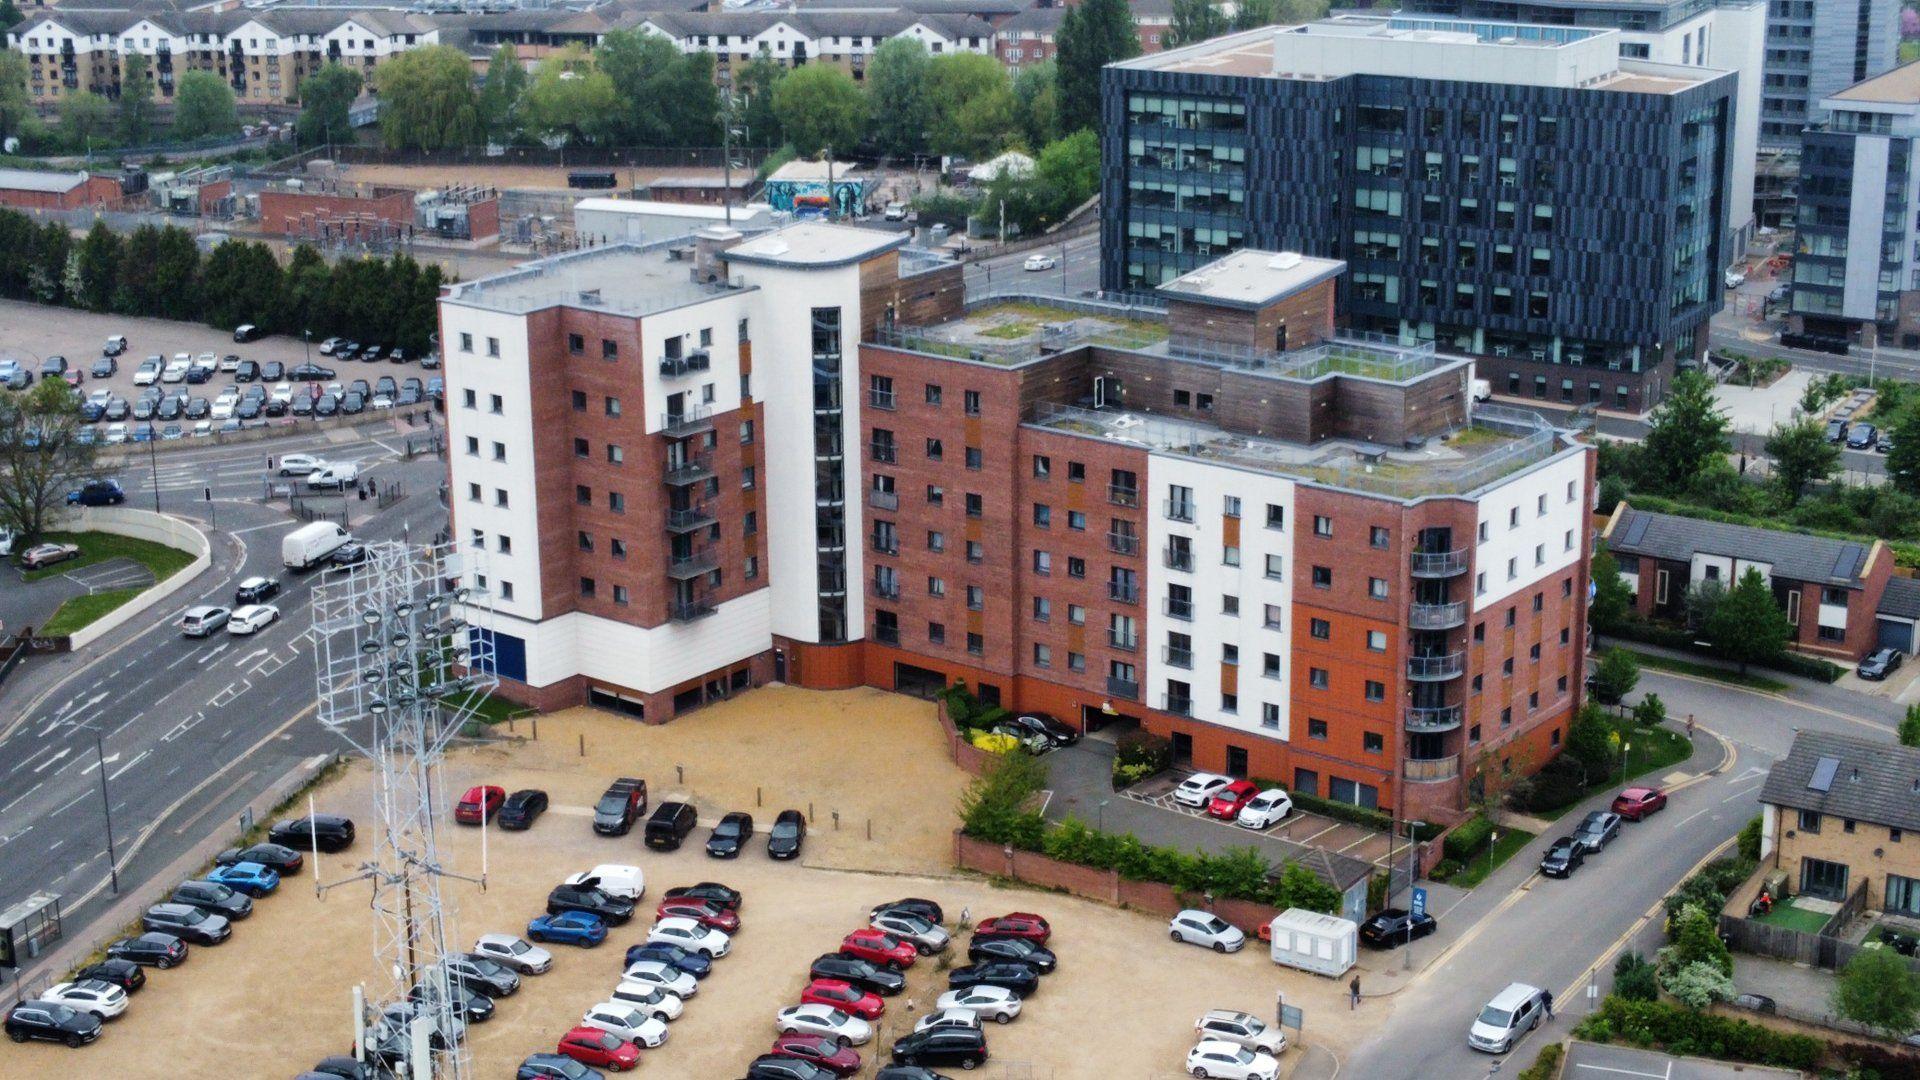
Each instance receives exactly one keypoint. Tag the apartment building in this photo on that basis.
(846, 39)
(1565, 225)
(1815, 49)
(800, 456)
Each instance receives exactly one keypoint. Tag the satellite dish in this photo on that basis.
(12, 145)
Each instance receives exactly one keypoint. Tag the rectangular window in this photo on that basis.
(1276, 516)
(1042, 466)
(971, 400)
(1320, 629)
(1316, 729)
(1379, 537)
(1376, 641)
(1323, 577)
(1373, 742)
(1376, 691)
(1322, 525)
(1377, 588)
(1810, 821)
(1317, 678)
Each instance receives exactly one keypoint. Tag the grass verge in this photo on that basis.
(1477, 868)
(1707, 671)
(491, 709)
(97, 547)
(1650, 750)
(82, 611)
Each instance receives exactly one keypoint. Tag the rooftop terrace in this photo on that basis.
(626, 279)
(1014, 330)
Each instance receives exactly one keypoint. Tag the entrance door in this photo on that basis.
(779, 665)
(1824, 879)
(1237, 762)
(1107, 391)
(1182, 748)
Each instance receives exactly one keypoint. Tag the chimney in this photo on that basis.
(709, 264)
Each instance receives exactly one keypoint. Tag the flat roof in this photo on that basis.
(1901, 86)
(625, 279)
(657, 208)
(1250, 278)
(35, 180)
(816, 244)
(802, 170)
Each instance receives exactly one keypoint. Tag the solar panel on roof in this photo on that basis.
(1636, 528)
(1823, 771)
(1847, 563)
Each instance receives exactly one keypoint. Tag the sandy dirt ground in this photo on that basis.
(1122, 1004)
(516, 177)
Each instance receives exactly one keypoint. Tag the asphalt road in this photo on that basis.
(1077, 274)
(190, 730)
(1854, 462)
(1562, 934)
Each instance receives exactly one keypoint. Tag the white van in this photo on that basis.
(339, 474)
(1512, 1013)
(626, 882)
(309, 545)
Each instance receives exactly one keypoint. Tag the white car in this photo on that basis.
(614, 879)
(1736, 278)
(1225, 1061)
(691, 936)
(1198, 927)
(997, 1002)
(626, 1022)
(327, 346)
(207, 360)
(1265, 810)
(252, 618)
(1241, 1029)
(1198, 789)
(224, 405)
(666, 977)
(203, 429)
(334, 475)
(282, 391)
(649, 999)
(945, 1018)
(824, 1021)
(927, 937)
(380, 401)
(230, 362)
(1040, 262)
(514, 952)
(175, 372)
(6, 542)
(148, 373)
(96, 996)
(116, 434)
(301, 465)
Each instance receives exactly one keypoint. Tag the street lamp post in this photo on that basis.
(1413, 872)
(1101, 817)
(106, 810)
(153, 468)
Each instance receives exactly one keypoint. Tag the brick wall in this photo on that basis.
(1869, 851)
(483, 219)
(292, 212)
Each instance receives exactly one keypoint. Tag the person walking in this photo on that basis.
(1353, 994)
(1548, 995)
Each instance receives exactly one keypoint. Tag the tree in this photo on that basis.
(1070, 168)
(666, 97)
(1291, 12)
(16, 105)
(307, 276)
(97, 262)
(1195, 20)
(1036, 95)
(136, 99)
(1695, 941)
(1688, 432)
(1302, 888)
(1910, 727)
(85, 119)
(500, 94)
(1249, 14)
(10, 14)
(1801, 456)
(242, 285)
(820, 106)
(1612, 601)
(1698, 985)
(1633, 978)
(973, 113)
(753, 87)
(1747, 626)
(1092, 35)
(898, 86)
(570, 100)
(133, 285)
(1903, 461)
(1877, 989)
(176, 275)
(1650, 712)
(1823, 391)
(326, 104)
(37, 472)
(428, 100)
(203, 106)
(1615, 676)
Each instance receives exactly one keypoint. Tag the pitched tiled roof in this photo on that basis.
(1902, 598)
(1868, 780)
(1792, 555)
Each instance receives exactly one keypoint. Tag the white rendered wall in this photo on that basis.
(1507, 540)
(505, 375)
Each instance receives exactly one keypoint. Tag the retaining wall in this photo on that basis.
(141, 525)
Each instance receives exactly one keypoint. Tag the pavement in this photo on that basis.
(1590, 1061)
(1795, 986)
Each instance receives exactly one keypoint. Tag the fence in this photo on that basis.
(1823, 949)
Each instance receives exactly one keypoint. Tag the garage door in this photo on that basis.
(1895, 634)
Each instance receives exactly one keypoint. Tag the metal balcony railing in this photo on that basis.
(882, 452)
(687, 519)
(1177, 609)
(689, 610)
(1180, 658)
(1123, 688)
(1177, 704)
(1437, 616)
(1179, 558)
(682, 567)
(678, 425)
(1436, 668)
(887, 635)
(1426, 720)
(1439, 564)
(1128, 642)
(1123, 543)
(672, 367)
(1123, 592)
(689, 470)
(1123, 496)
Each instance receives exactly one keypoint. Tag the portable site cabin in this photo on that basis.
(1310, 941)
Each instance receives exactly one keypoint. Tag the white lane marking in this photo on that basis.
(1691, 816)
(223, 647)
(63, 753)
(1627, 1072)
(96, 763)
(116, 774)
(128, 722)
(250, 658)
(16, 801)
(70, 804)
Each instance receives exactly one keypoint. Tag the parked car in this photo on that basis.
(1198, 789)
(864, 974)
(1047, 726)
(247, 332)
(1392, 927)
(480, 803)
(41, 555)
(1241, 1029)
(1227, 803)
(928, 937)
(669, 825)
(282, 860)
(202, 620)
(104, 492)
(622, 805)
(844, 996)
(788, 835)
(672, 955)
(614, 879)
(153, 949)
(255, 589)
(273, 371)
(1198, 927)
(1512, 1013)
(965, 1047)
(692, 935)
(1015, 924)
(1862, 436)
(330, 346)
(823, 1020)
(328, 832)
(337, 475)
(984, 1000)
(554, 1067)
(96, 997)
(1635, 803)
(1563, 857)
(730, 835)
(51, 1021)
(879, 947)
(698, 911)
(1223, 1060)
(582, 928)
(776, 1067)
(346, 1068)
(521, 809)
(1879, 664)
(1837, 431)
(1022, 979)
(124, 974)
(1016, 949)
(712, 892)
(213, 897)
(665, 976)
(649, 999)
(1597, 830)
(310, 373)
(1265, 810)
(513, 952)
(819, 1050)
(481, 975)
(248, 877)
(593, 1046)
(252, 619)
(469, 1005)
(611, 909)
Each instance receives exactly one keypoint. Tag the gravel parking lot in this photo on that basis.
(1122, 1004)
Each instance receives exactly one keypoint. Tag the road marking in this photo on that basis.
(18, 835)
(250, 658)
(96, 763)
(128, 722)
(70, 804)
(1743, 793)
(43, 765)
(223, 647)
(215, 801)
(117, 773)
(16, 801)
(183, 727)
(1627, 1072)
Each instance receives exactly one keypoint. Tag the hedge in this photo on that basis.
(1468, 838)
(1544, 1067)
(1680, 1030)
(1674, 637)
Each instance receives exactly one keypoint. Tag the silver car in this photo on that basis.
(203, 620)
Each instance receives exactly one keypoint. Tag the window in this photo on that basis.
(1230, 605)
(976, 505)
(976, 553)
(933, 393)
(936, 541)
(1322, 525)
(1231, 507)
(1042, 466)
(971, 402)
(1042, 609)
(1276, 617)
(576, 344)
(1042, 655)
(1376, 691)
(466, 343)
(1320, 629)
(937, 633)
(1076, 566)
(1269, 715)
(936, 495)
(1076, 614)
(750, 523)
(1076, 472)
(493, 346)
(1270, 665)
(586, 586)
(1042, 562)
(1323, 577)
(1809, 821)
(1317, 678)
(612, 406)
(617, 548)
(615, 454)
(935, 451)
(1373, 742)
(1077, 520)
(500, 497)
(749, 476)
(1377, 588)
(1042, 516)
(1276, 516)
(1379, 537)
(586, 541)
(1377, 641)
(1076, 662)
(976, 644)
(1316, 729)
(975, 459)
(471, 400)
(746, 432)
(496, 404)
(473, 447)
(1229, 555)
(579, 400)
(616, 502)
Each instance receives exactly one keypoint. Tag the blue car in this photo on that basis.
(672, 955)
(571, 927)
(247, 877)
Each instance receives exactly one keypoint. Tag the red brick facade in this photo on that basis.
(99, 191)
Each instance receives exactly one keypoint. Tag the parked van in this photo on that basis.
(1512, 1013)
(670, 824)
(309, 545)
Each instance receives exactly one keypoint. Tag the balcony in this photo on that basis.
(1177, 704)
(1122, 543)
(692, 470)
(1439, 564)
(684, 611)
(1179, 558)
(682, 567)
(1177, 609)
(679, 425)
(1426, 721)
(1436, 668)
(672, 367)
(688, 518)
(1175, 657)
(1437, 616)
(1123, 592)
(1123, 496)
(1179, 510)
(883, 500)
(1123, 688)
(1432, 770)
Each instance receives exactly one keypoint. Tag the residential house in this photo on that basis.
(1841, 813)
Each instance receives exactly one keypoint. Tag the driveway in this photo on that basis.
(1590, 1061)
(26, 603)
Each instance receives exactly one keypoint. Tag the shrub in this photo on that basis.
(1698, 984)
(1545, 1067)
(1467, 838)
(1633, 978)
(992, 743)
(1144, 748)
(1614, 676)
(1650, 712)
(1561, 782)
(1695, 941)
(1684, 1031)
(1129, 775)
(1750, 839)
(1444, 870)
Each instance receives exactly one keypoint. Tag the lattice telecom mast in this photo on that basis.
(401, 667)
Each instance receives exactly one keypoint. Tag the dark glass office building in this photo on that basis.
(1519, 193)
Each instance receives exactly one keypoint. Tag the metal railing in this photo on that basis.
(887, 635)
(1426, 720)
(1123, 688)
(1124, 593)
(883, 500)
(1180, 658)
(681, 567)
(1128, 642)
(1433, 668)
(687, 519)
(1177, 704)
(1123, 543)
(1179, 558)
(688, 470)
(675, 366)
(1123, 496)
(1438, 564)
(689, 610)
(1437, 616)
(1177, 609)
(882, 452)
(687, 421)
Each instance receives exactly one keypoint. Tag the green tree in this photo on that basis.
(1589, 741)
(135, 105)
(500, 94)
(35, 474)
(819, 106)
(133, 285)
(570, 101)
(97, 262)
(241, 285)
(16, 105)
(1195, 20)
(1036, 95)
(1823, 391)
(52, 251)
(1801, 456)
(1910, 727)
(1695, 941)
(1633, 978)
(9, 14)
(428, 100)
(85, 120)
(1612, 601)
(326, 105)
(1289, 12)
(1302, 888)
(1747, 626)
(1749, 838)
(666, 97)
(1688, 433)
(307, 276)
(1092, 35)
(1877, 989)
(1249, 14)
(972, 107)
(176, 275)
(753, 90)
(1903, 461)
(1650, 712)
(898, 87)
(1615, 676)
(203, 106)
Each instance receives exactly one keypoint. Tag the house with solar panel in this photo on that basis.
(1842, 814)
(1841, 596)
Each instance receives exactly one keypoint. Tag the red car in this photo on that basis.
(1636, 803)
(699, 911)
(600, 1049)
(480, 803)
(1229, 800)
(824, 1052)
(843, 996)
(879, 947)
(1020, 924)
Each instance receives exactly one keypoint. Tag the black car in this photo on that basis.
(246, 332)
(926, 909)
(554, 1067)
(469, 1004)
(670, 824)
(150, 949)
(197, 374)
(310, 373)
(1047, 726)
(211, 896)
(53, 1022)
(187, 922)
(326, 405)
(397, 355)
(247, 371)
(353, 403)
(712, 892)
(273, 371)
(1862, 437)
(276, 407)
(907, 1072)
(348, 554)
(1392, 926)
(1879, 664)
(198, 408)
(864, 974)
(1019, 950)
(248, 409)
(259, 591)
(124, 974)
(302, 406)
(672, 955)
(730, 835)
(278, 857)
(328, 832)
(105, 367)
(789, 832)
(169, 409)
(613, 910)
(1837, 431)
(965, 1047)
(386, 384)
(348, 1069)
(117, 410)
(777, 1067)
(1022, 979)
(483, 976)
(521, 809)
(1563, 858)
